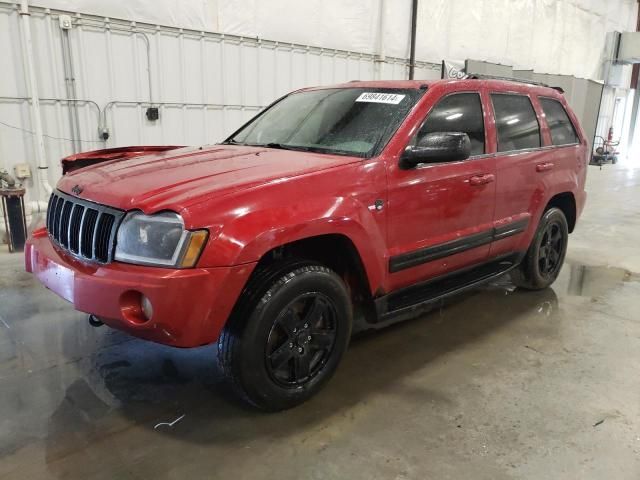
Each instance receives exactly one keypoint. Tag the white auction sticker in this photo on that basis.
(377, 97)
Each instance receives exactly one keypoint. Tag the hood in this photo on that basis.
(178, 178)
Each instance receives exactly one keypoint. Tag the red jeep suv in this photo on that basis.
(335, 209)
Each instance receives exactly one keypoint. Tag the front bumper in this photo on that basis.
(190, 306)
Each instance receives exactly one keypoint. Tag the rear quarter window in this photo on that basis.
(559, 123)
(516, 122)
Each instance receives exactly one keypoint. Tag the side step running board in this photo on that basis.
(409, 301)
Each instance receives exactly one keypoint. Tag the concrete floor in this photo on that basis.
(498, 384)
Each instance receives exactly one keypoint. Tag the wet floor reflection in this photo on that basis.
(593, 281)
(132, 382)
(89, 399)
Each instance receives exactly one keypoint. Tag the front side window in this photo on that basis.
(343, 121)
(560, 126)
(516, 122)
(458, 112)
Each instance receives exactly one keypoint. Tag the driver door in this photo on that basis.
(440, 215)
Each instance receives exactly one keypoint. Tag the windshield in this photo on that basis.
(344, 121)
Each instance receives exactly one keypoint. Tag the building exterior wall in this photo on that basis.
(549, 36)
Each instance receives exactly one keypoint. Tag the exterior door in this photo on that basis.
(520, 159)
(440, 214)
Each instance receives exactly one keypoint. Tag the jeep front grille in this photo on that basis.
(85, 229)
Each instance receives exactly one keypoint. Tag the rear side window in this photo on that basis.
(560, 126)
(516, 122)
(458, 112)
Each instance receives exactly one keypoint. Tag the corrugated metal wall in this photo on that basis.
(205, 84)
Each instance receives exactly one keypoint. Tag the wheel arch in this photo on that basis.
(335, 251)
(566, 202)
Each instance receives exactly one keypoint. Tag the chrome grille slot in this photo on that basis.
(51, 208)
(56, 218)
(103, 232)
(90, 217)
(74, 228)
(64, 224)
(85, 229)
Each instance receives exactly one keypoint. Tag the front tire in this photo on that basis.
(287, 335)
(543, 261)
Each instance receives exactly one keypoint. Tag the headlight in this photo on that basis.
(159, 240)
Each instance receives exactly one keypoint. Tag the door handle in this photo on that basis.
(477, 180)
(544, 167)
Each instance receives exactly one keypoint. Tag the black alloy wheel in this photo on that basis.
(301, 340)
(287, 334)
(544, 258)
(551, 250)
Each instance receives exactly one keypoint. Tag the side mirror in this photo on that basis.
(437, 147)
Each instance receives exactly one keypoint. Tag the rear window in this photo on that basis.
(560, 126)
(516, 122)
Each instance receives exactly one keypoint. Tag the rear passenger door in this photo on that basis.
(520, 168)
(569, 149)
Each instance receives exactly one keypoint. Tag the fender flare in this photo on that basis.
(247, 238)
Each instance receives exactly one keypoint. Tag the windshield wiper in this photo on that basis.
(298, 148)
(283, 146)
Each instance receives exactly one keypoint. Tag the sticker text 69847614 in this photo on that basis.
(377, 97)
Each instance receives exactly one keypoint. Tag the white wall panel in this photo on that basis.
(522, 33)
(12, 78)
(196, 14)
(550, 36)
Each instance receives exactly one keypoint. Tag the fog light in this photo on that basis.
(147, 308)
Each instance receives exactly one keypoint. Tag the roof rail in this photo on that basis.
(482, 76)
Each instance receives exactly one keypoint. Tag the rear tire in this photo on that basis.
(287, 334)
(543, 261)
